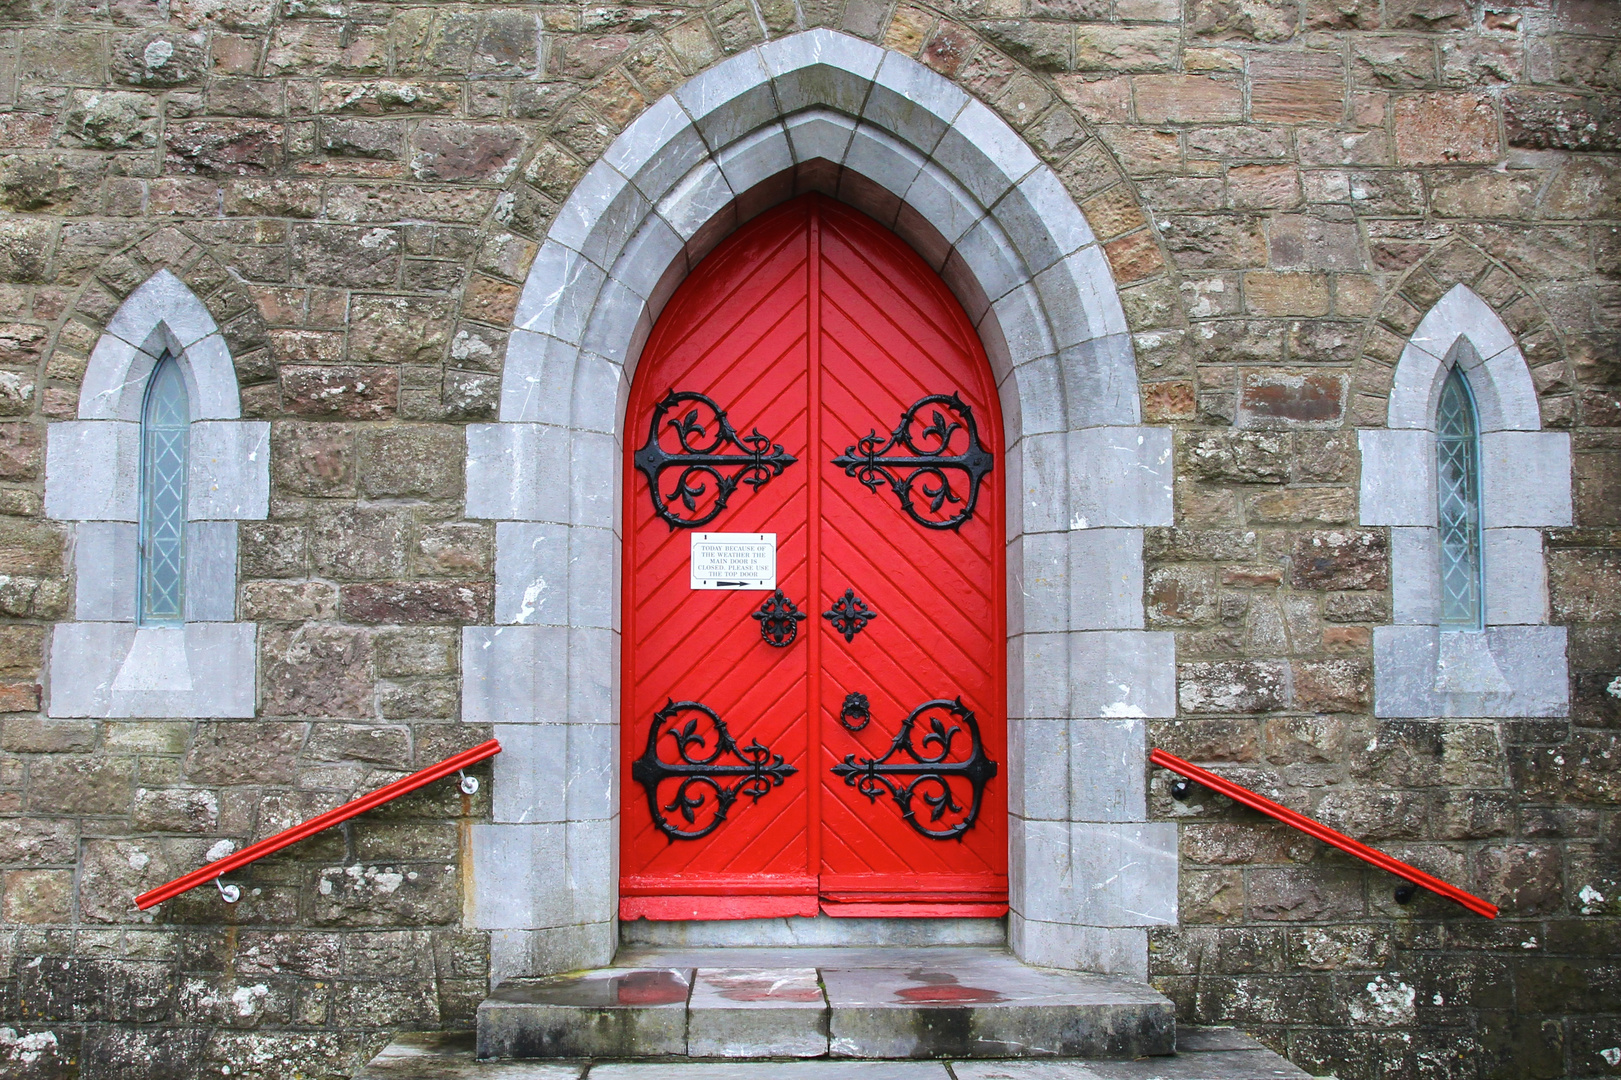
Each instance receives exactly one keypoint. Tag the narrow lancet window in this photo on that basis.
(165, 425)
(1457, 449)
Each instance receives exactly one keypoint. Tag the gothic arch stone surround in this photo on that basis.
(102, 663)
(823, 111)
(1517, 665)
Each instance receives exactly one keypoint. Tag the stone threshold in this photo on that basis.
(1202, 1054)
(863, 1003)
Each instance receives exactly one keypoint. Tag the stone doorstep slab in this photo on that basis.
(843, 1003)
(992, 1006)
(757, 1012)
(1203, 1054)
(610, 1013)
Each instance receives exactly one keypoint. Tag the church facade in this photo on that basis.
(828, 445)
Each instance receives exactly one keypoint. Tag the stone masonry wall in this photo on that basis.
(356, 190)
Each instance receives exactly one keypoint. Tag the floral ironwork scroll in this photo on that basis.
(702, 775)
(918, 464)
(703, 459)
(930, 768)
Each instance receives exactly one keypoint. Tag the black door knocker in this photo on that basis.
(856, 707)
(779, 620)
(850, 615)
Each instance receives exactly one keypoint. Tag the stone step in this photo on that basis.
(1202, 1054)
(888, 1003)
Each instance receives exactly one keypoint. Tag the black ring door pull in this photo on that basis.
(779, 620)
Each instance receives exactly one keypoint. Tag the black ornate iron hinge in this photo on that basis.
(758, 459)
(930, 773)
(850, 615)
(871, 462)
(779, 620)
(702, 776)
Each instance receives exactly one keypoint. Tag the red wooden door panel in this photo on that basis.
(813, 327)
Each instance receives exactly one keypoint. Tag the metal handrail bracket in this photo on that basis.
(1316, 829)
(403, 786)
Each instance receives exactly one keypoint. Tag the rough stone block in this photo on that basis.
(1421, 671)
(229, 471)
(755, 1012)
(1100, 382)
(1112, 950)
(1516, 586)
(538, 875)
(1126, 480)
(104, 556)
(517, 472)
(1415, 576)
(610, 1012)
(205, 669)
(1398, 476)
(210, 571)
(1122, 673)
(1525, 479)
(515, 674)
(91, 468)
(555, 772)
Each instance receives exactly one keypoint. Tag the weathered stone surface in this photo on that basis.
(419, 602)
(316, 671)
(346, 392)
(1340, 559)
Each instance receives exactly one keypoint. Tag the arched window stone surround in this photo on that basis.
(102, 663)
(1517, 665)
(823, 111)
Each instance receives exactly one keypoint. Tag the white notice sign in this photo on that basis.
(734, 560)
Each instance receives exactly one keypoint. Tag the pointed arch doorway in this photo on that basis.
(831, 740)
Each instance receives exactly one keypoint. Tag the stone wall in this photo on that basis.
(356, 190)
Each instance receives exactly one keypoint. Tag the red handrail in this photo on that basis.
(1321, 832)
(309, 828)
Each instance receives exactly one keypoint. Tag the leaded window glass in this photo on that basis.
(165, 425)
(1457, 449)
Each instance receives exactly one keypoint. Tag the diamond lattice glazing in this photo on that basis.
(1457, 448)
(165, 425)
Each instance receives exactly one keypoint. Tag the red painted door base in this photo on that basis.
(813, 329)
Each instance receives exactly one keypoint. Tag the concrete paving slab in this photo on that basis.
(1213, 1065)
(757, 1012)
(992, 1006)
(609, 1012)
(776, 1070)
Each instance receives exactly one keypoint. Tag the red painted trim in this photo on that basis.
(309, 828)
(1322, 832)
(718, 885)
(665, 908)
(914, 911)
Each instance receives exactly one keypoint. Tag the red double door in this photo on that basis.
(839, 747)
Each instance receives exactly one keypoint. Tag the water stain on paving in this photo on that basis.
(943, 988)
